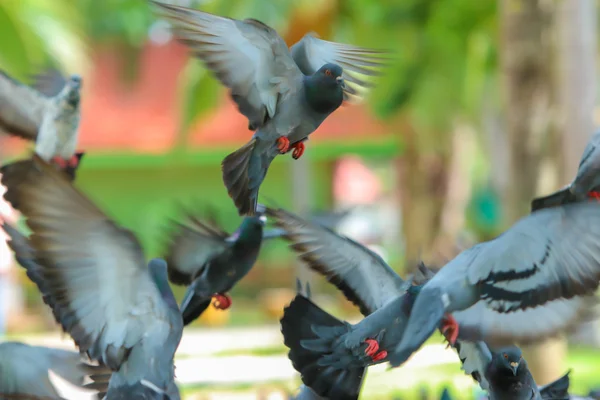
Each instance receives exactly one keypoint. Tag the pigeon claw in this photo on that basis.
(73, 162)
(221, 301)
(372, 347)
(594, 195)
(298, 150)
(283, 144)
(449, 329)
(61, 162)
(379, 356)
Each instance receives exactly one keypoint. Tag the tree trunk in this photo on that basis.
(527, 60)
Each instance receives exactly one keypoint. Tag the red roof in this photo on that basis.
(144, 116)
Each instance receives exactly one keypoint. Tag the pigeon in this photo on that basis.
(24, 370)
(211, 261)
(285, 93)
(51, 122)
(331, 355)
(92, 272)
(533, 281)
(504, 373)
(586, 183)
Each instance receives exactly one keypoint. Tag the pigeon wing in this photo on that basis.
(22, 108)
(247, 56)
(311, 53)
(363, 276)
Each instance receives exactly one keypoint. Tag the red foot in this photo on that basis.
(283, 144)
(221, 301)
(298, 150)
(372, 350)
(72, 162)
(594, 195)
(450, 328)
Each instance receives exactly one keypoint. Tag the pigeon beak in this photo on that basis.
(340, 81)
(514, 366)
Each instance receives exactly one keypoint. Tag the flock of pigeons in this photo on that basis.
(536, 280)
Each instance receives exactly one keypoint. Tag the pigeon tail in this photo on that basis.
(235, 176)
(296, 326)
(555, 199)
(425, 317)
(557, 390)
(193, 305)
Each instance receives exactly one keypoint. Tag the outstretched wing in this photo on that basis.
(552, 253)
(247, 56)
(21, 108)
(191, 247)
(475, 357)
(311, 53)
(93, 270)
(363, 277)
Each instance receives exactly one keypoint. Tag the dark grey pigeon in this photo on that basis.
(118, 310)
(24, 370)
(586, 183)
(504, 373)
(533, 281)
(51, 122)
(285, 94)
(331, 355)
(211, 261)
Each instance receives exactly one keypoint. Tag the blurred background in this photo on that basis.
(486, 105)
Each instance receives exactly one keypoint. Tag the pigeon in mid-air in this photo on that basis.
(534, 280)
(211, 261)
(92, 272)
(51, 122)
(24, 370)
(285, 93)
(331, 355)
(586, 183)
(504, 373)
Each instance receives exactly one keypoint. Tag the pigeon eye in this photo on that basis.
(506, 356)
(327, 72)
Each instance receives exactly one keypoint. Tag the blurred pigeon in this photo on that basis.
(504, 373)
(51, 122)
(330, 354)
(211, 261)
(307, 393)
(586, 183)
(524, 285)
(285, 93)
(119, 311)
(329, 219)
(445, 394)
(24, 370)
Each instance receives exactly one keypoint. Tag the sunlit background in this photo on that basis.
(486, 104)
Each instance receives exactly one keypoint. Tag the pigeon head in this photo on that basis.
(252, 226)
(325, 89)
(72, 89)
(509, 359)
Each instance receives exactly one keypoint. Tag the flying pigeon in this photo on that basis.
(533, 281)
(330, 354)
(211, 261)
(285, 93)
(24, 370)
(92, 272)
(504, 373)
(51, 122)
(586, 183)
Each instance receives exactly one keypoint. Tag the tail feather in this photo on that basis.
(235, 176)
(555, 199)
(193, 305)
(329, 382)
(557, 390)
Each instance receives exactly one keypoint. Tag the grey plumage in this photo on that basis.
(51, 122)
(211, 261)
(332, 355)
(504, 373)
(285, 95)
(24, 370)
(119, 311)
(587, 179)
(533, 281)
